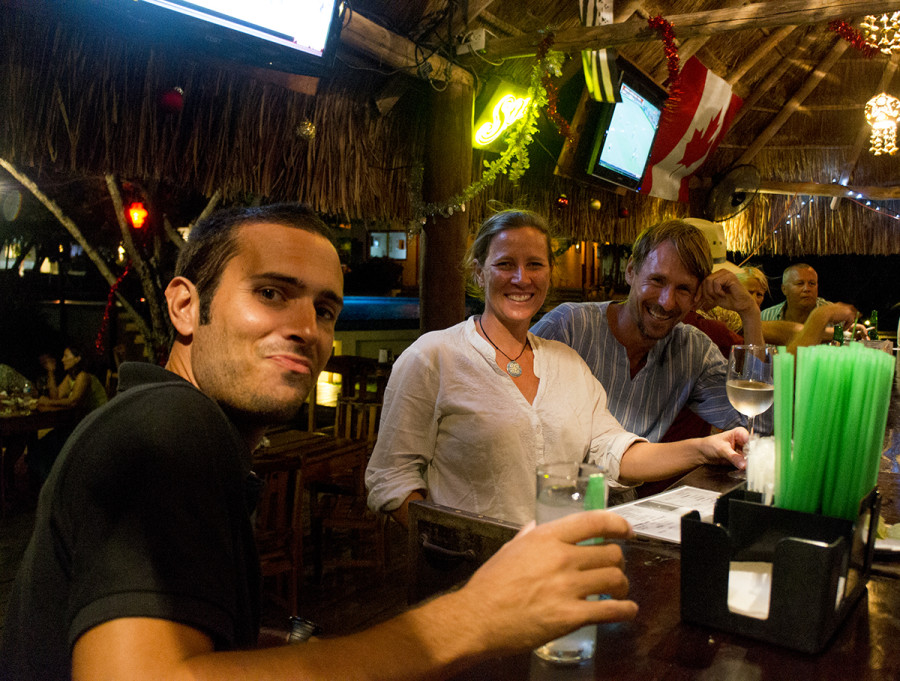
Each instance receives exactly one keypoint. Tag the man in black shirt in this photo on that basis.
(142, 563)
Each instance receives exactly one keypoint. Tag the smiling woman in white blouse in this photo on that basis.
(470, 411)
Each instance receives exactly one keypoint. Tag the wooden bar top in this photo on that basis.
(658, 645)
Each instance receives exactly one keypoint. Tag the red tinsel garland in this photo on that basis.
(100, 343)
(667, 35)
(854, 37)
(553, 92)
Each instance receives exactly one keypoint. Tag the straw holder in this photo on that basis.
(820, 566)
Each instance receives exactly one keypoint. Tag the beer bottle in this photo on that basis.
(872, 329)
(837, 337)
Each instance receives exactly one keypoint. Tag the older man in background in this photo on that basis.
(800, 286)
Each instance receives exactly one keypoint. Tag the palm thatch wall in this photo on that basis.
(87, 104)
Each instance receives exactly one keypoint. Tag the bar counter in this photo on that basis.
(658, 645)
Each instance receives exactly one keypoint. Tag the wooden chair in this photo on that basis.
(447, 545)
(279, 535)
(339, 504)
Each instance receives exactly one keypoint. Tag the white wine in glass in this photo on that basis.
(749, 385)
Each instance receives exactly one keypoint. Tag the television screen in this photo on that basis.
(303, 25)
(626, 130)
(298, 36)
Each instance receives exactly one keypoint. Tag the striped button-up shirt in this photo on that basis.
(776, 312)
(684, 368)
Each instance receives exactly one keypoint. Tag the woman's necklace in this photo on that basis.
(513, 368)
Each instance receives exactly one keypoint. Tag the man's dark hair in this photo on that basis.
(213, 242)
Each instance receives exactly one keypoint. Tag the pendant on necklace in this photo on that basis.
(514, 369)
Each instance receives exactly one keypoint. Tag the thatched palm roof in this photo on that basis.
(89, 105)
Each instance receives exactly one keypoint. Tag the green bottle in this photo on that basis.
(838, 337)
(873, 325)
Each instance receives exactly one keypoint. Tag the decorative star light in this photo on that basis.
(882, 112)
(883, 32)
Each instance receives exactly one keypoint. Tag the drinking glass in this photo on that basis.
(564, 488)
(750, 384)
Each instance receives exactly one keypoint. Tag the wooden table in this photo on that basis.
(317, 456)
(32, 422)
(16, 431)
(658, 645)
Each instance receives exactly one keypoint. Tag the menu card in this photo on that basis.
(659, 516)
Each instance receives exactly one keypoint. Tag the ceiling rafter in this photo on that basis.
(695, 24)
(814, 78)
(764, 49)
(773, 77)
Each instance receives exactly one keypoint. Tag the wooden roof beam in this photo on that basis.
(712, 22)
(474, 9)
(835, 190)
(764, 49)
(397, 52)
(863, 135)
(814, 78)
(773, 77)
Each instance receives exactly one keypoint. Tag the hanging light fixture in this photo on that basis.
(883, 32)
(882, 112)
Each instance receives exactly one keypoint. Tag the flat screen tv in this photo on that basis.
(296, 36)
(624, 132)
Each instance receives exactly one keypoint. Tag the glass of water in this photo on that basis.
(564, 488)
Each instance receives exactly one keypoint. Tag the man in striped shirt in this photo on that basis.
(651, 364)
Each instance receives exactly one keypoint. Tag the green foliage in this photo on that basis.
(513, 160)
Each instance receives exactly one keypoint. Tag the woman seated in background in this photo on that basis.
(470, 411)
(79, 391)
(756, 283)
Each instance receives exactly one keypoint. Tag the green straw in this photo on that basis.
(784, 420)
(836, 459)
(805, 483)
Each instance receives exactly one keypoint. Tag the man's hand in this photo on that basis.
(534, 589)
(726, 447)
(818, 326)
(722, 288)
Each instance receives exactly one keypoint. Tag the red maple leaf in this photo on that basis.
(699, 145)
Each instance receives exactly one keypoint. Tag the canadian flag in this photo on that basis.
(689, 131)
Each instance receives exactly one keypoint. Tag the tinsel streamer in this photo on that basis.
(854, 37)
(667, 35)
(552, 112)
(100, 343)
(552, 91)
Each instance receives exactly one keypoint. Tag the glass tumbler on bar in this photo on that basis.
(564, 488)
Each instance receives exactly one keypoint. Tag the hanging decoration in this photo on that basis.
(552, 91)
(883, 33)
(854, 37)
(882, 112)
(513, 160)
(137, 214)
(667, 35)
(172, 101)
(100, 343)
(306, 130)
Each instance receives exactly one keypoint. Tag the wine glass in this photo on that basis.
(750, 385)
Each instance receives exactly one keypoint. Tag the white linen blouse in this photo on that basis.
(454, 423)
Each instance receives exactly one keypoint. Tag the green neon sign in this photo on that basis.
(505, 111)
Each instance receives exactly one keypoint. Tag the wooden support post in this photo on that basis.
(448, 170)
